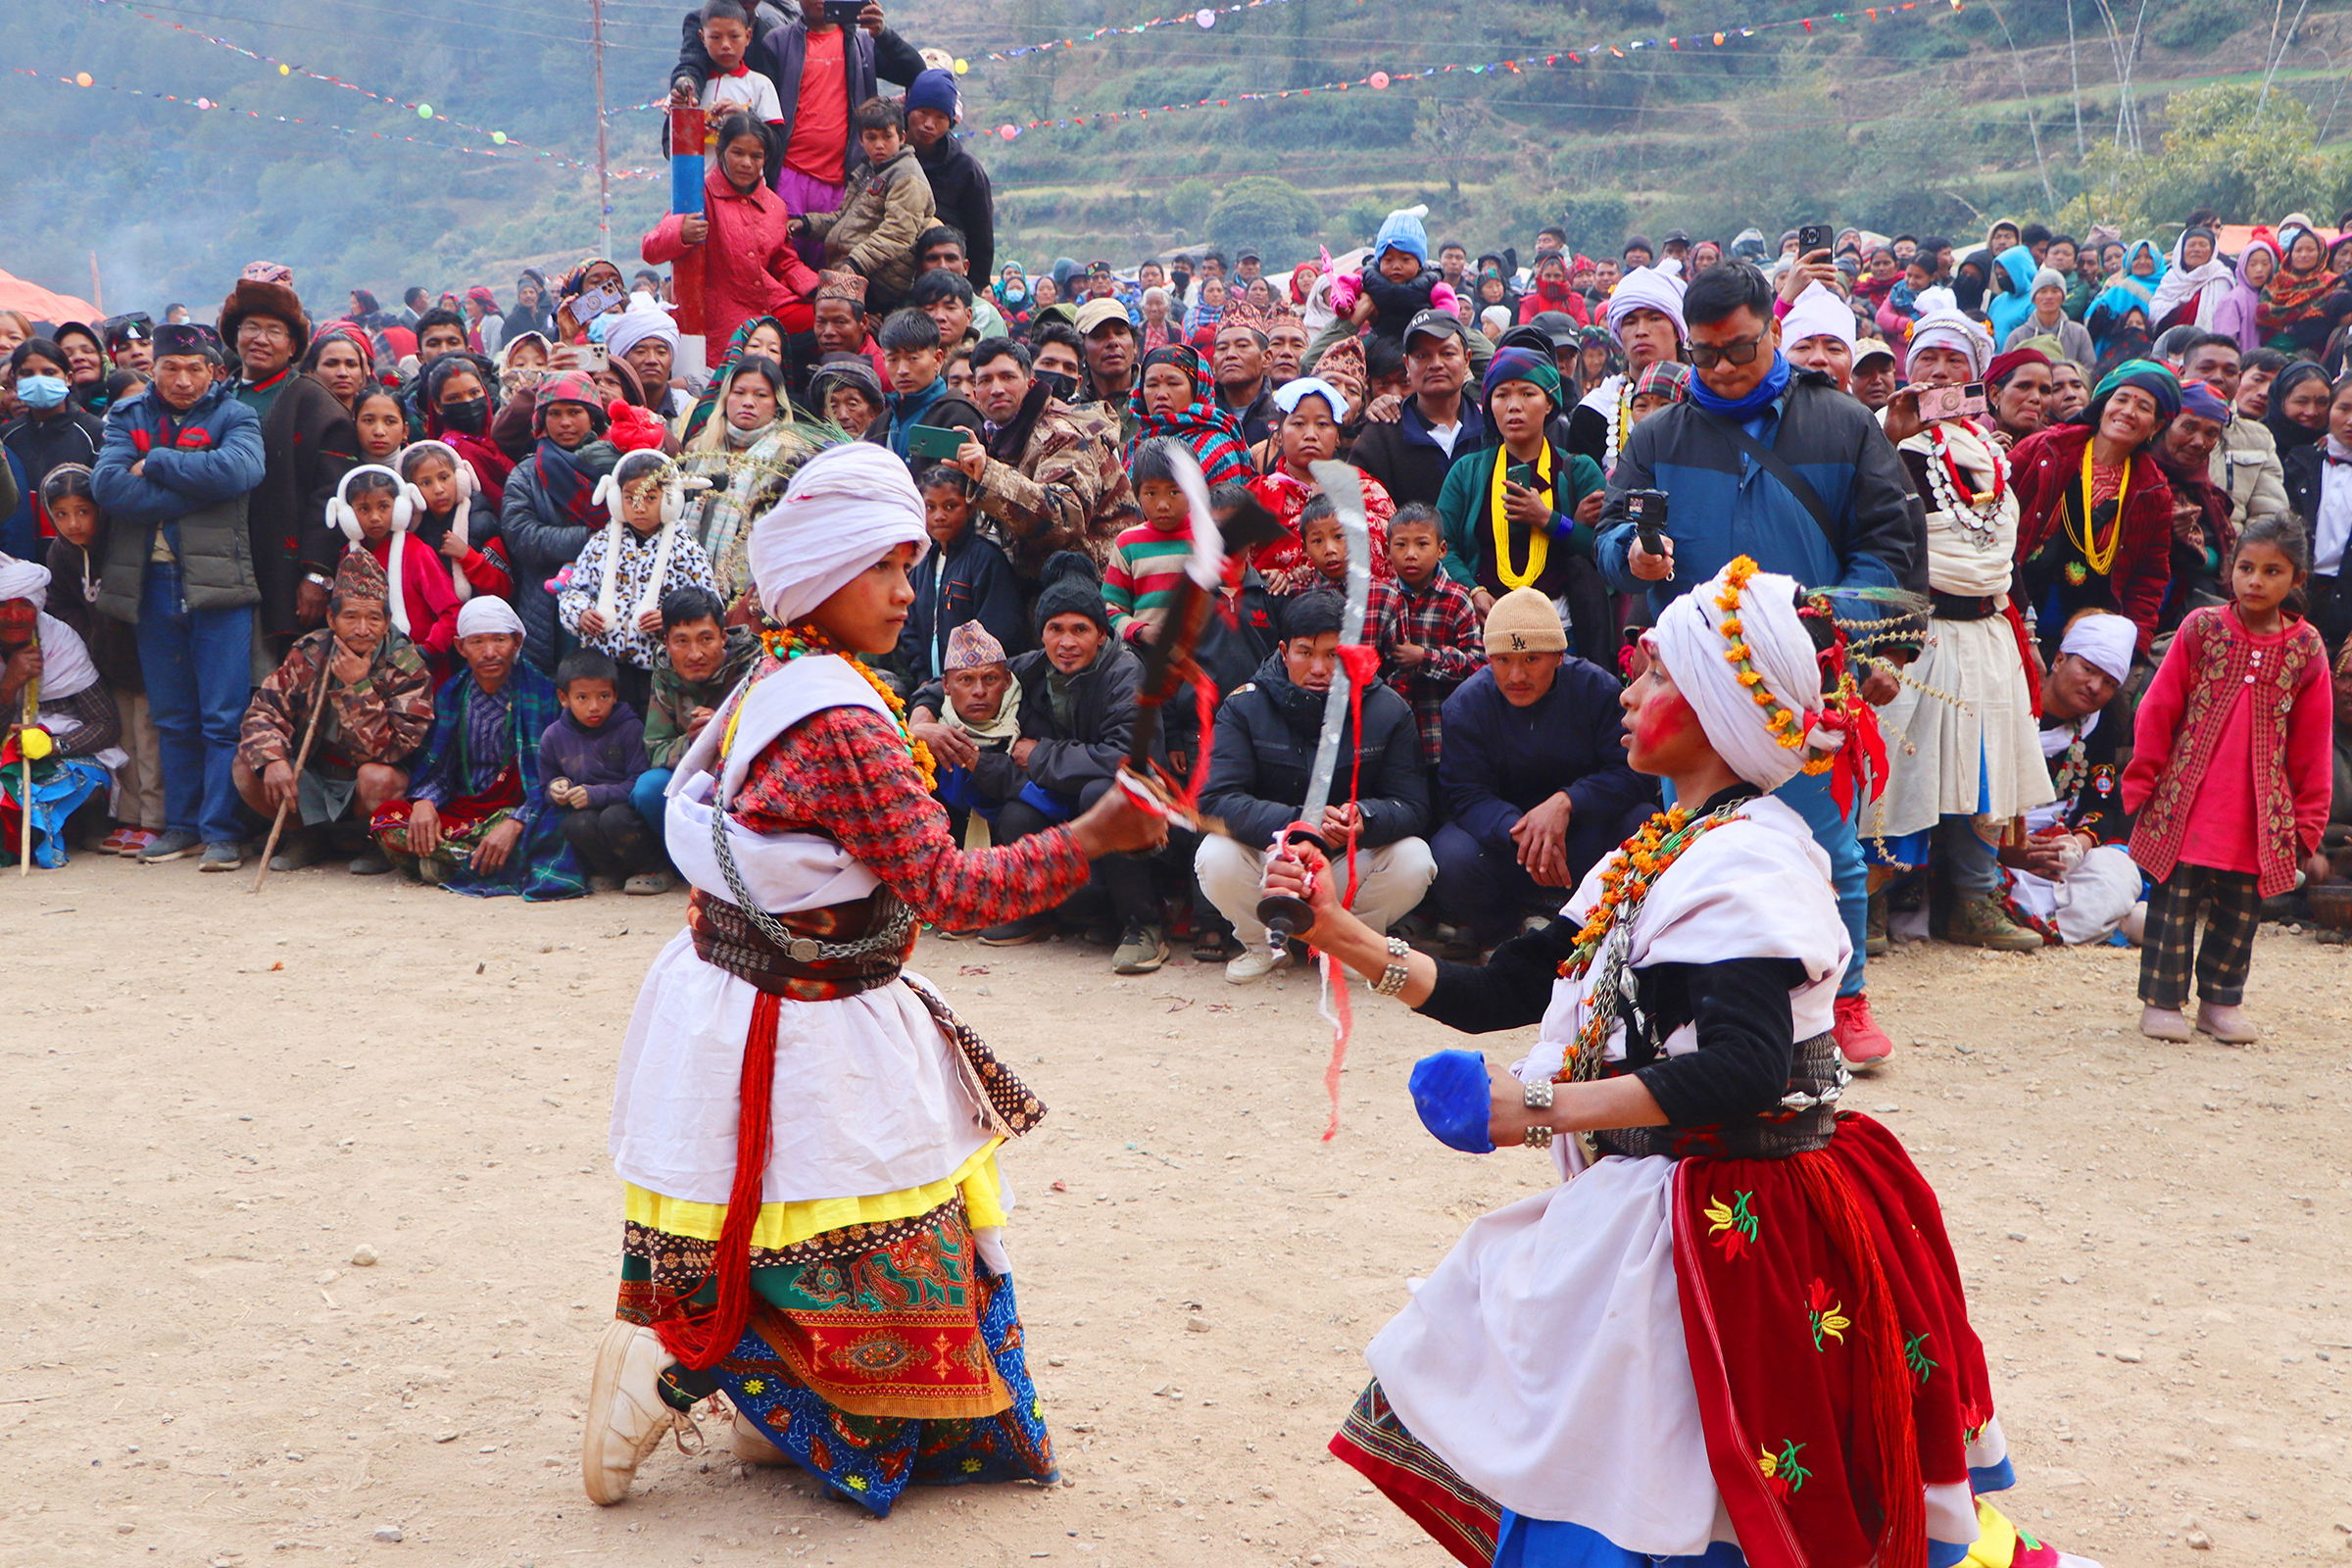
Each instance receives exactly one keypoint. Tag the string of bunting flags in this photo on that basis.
(1205, 17)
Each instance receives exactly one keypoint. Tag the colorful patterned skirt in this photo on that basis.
(1735, 1363)
(60, 784)
(540, 867)
(879, 1354)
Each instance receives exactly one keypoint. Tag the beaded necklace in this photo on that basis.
(1620, 417)
(1978, 517)
(2095, 559)
(788, 643)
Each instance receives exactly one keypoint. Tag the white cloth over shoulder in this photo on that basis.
(870, 1096)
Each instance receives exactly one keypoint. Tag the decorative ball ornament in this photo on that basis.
(1380, 81)
(424, 110)
(82, 81)
(33, 744)
(1205, 17)
(963, 68)
(285, 70)
(498, 136)
(1008, 131)
(204, 103)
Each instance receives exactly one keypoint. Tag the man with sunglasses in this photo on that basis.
(1773, 462)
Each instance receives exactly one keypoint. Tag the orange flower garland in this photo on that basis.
(787, 644)
(1784, 724)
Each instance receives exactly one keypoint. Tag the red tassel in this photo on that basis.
(701, 1339)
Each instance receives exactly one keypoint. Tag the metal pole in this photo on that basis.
(603, 176)
(97, 289)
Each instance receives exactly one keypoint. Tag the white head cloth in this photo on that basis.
(846, 508)
(22, 580)
(1647, 288)
(1949, 330)
(66, 667)
(634, 325)
(1689, 638)
(1818, 313)
(483, 616)
(2106, 641)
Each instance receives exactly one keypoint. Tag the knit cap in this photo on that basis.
(1523, 621)
(1403, 231)
(1072, 588)
(935, 90)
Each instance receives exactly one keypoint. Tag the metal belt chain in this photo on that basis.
(798, 948)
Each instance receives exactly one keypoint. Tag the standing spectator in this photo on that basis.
(531, 313)
(2245, 461)
(2319, 487)
(1258, 780)
(1533, 780)
(1646, 313)
(308, 442)
(1849, 522)
(884, 209)
(1048, 484)
(1429, 641)
(52, 431)
(1243, 389)
(645, 552)
(1437, 426)
(750, 267)
(550, 506)
(486, 329)
(178, 463)
(1110, 369)
(77, 564)
(960, 187)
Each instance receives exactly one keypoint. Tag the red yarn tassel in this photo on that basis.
(700, 1340)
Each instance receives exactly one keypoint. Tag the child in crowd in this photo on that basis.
(381, 422)
(373, 507)
(727, 37)
(446, 486)
(912, 351)
(1658, 386)
(76, 560)
(2229, 781)
(886, 206)
(967, 578)
(614, 600)
(1145, 568)
(983, 710)
(1324, 542)
(1399, 285)
(702, 659)
(592, 759)
(1431, 641)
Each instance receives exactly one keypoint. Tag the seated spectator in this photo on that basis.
(885, 208)
(1429, 641)
(1048, 481)
(1171, 401)
(644, 552)
(984, 712)
(445, 485)
(964, 578)
(378, 698)
(70, 750)
(550, 506)
(703, 660)
(1534, 777)
(476, 819)
(948, 299)
(373, 508)
(1309, 434)
(1076, 710)
(1324, 542)
(592, 759)
(1258, 780)
(77, 560)
(2074, 880)
(847, 394)
(1521, 513)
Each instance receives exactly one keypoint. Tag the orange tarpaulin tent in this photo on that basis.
(42, 306)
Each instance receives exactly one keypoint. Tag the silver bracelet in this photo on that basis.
(1537, 1095)
(1537, 1138)
(1392, 979)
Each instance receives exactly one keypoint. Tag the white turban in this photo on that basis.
(634, 325)
(846, 508)
(1818, 313)
(1949, 330)
(1689, 638)
(2106, 641)
(1647, 288)
(483, 616)
(22, 579)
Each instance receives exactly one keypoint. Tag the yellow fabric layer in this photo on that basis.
(783, 1225)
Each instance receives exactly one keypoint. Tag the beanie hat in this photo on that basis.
(935, 90)
(1403, 231)
(1072, 588)
(573, 386)
(184, 337)
(970, 647)
(2046, 277)
(1523, 621)
(1524, 364)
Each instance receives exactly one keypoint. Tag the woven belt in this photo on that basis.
(1804, 1119)
(1962, 607)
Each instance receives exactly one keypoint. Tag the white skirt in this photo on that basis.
(1976, 749)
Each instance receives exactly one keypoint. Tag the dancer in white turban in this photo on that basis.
(815, 1212)
(1734, 1332)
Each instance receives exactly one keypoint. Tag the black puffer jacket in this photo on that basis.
(1091, 746)
(1265, 752)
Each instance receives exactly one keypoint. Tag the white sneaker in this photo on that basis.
(752, 1447)
(1253, 963)
(627, 1418)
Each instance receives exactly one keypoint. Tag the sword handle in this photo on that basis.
(1283, 915)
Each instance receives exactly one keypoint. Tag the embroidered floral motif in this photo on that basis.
(1826, 1315)
(1915, 1355)
(1732, 1227)
(1781, 1472)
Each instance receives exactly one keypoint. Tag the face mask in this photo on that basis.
(41, 391)
(469, 415)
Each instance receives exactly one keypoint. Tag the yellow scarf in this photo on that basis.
(1538, 540)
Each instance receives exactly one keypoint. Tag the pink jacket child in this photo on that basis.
(749, 264)
(2232, 761)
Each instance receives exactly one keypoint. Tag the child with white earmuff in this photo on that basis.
(614, 600)
(449, 522)
(374, 506)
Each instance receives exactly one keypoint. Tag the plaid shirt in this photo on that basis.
(1442, 620)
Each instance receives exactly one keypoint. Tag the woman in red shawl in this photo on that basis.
(2303, 300)
(1309, 434)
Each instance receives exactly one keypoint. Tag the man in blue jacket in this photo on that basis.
(1838, 513)
(1534, 774)
(174, 473)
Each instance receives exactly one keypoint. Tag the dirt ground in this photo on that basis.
(219, 1098)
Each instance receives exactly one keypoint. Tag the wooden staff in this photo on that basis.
(33, 716)
(301, 759)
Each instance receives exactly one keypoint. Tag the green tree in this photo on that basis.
(2224, 149)
(1273, 215)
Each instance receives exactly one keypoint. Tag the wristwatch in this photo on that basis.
(1392, 979)
(1538, 1097)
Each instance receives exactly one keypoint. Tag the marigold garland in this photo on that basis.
(788, 643)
